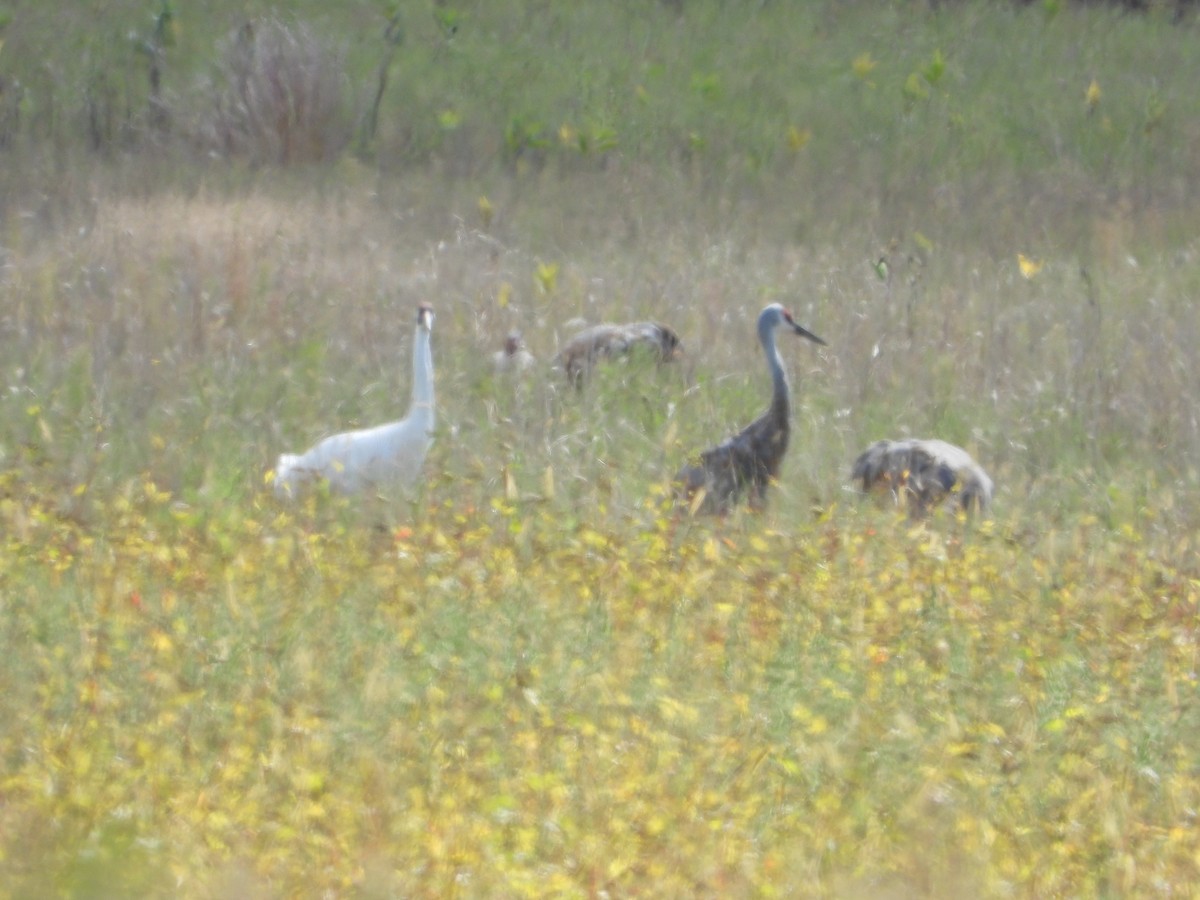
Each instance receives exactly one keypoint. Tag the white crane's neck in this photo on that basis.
(422, 386)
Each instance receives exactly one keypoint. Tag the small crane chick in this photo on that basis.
(514, 357)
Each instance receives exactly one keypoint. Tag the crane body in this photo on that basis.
(391, 453)
(749, 461)
(923, 473)
(581, 353)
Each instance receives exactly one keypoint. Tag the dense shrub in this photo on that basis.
(278, 95)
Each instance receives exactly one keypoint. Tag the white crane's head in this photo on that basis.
(425, 316)
(775, 315)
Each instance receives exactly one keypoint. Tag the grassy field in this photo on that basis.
(533, 676)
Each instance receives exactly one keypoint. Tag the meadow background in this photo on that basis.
(534, 677)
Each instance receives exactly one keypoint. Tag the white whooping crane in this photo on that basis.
(393, 453)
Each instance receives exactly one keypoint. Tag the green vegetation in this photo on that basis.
(535, 677)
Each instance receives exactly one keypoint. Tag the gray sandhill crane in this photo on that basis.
(514, 357)
(392, 453)
(923, 473)
(749, 460)
(582, 351)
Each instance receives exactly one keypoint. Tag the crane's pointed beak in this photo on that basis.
(804, 332)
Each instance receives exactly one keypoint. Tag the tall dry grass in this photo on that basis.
(532, 676)
(197, 336)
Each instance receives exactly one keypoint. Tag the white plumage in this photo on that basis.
(386, 454)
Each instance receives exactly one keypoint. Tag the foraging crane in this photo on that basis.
(609, 341)
(749, 460)
(924, 472)
(514, 357)
(391, 453)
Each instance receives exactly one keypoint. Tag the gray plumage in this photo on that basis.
(923, 473)
(580, 354)
(750, 460)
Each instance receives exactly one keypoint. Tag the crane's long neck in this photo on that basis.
(422, 386)
(781, 392)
